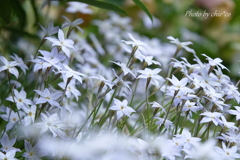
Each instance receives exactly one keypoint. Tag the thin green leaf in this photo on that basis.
(116, 2)
(35, 11)
(101, 4)
(5, 12)
(17, 31)
(19, 11)
(144, 8)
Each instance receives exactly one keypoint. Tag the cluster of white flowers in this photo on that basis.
(83, 99)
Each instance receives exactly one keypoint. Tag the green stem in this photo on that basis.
(102, 119)
(147, 103)
(110, 119)
(132, 54)
(169, 72)
(96, 109)
(183, 122)
(42, 42)
(197, 129)
(134, 91)
(178, 115)
(69, 31)
(42, 107)
(161, 126)
(146, 121)
(177, 119)
(85, 122)
(215, 131)
(208, 127)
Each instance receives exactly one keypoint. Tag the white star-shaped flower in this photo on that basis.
(68, 72)
(181, 44)
(20, 99)
(62, 42)
(121, 108)
(10, 66)
(47, 96)
(134, 42)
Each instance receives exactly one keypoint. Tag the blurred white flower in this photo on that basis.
(49, 30)
(203, 151)
(231, 136)
(78, 7)
(32, 153)
(147, 21)
(165, 122)
(73, 24)
(51, 123)
(228, 153)
(124, 68)
(97, 44)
